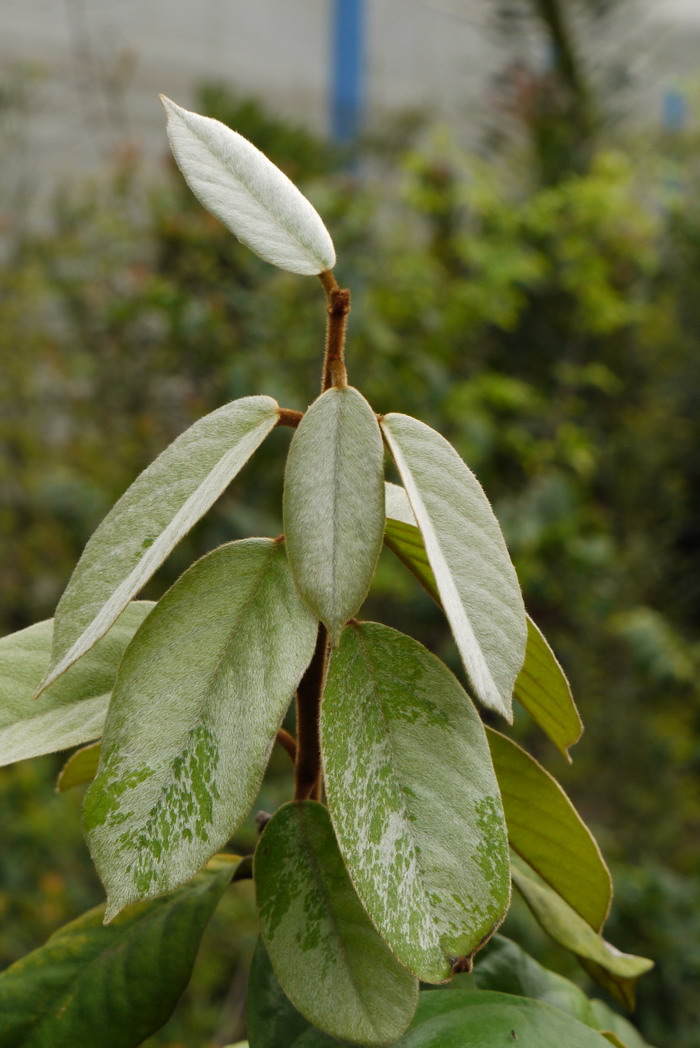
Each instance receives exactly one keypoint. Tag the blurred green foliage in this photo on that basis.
(549, 327)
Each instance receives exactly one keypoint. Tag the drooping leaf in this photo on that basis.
(248, 193)
(329, 959)
(200, 695)
(111, 986)
(334, 505)
(617, 972)
(73, 710)
(149, 520)
(545, 829)
(414, 799)
(541, 686)
(81, 767)
(475, 578)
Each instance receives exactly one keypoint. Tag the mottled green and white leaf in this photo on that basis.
(414, 799)
(148, 521)
(72, 711)
(327, 956)
(334, 505)
(473, 572)
(201, 693)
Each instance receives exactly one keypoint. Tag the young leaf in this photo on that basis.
(73, 710)
(248, 193)
(110, 986)
(414, 799)
(541, 686)
(200, 696)
(334, 505)
(545, 829)
(475, 578)
(149, 520)
(329, 959)
(617, 972)
(81, 767)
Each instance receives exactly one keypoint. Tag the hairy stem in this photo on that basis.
(289, 417)
(288, 743)
(334, 373)
(308, 747)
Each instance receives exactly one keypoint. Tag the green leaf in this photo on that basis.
(541, 686)
(112, 986)
(329, 959)
(544, 691)
(273, 1021)
(545, 829)
(414, 799)
(73, 710)
(609, 1022)
(617, 972)
(149, 520)
(475, 578)
(200, 696)
(334, 505)
(81, 767)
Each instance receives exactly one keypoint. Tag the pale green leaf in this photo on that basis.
(475, 578)
(618, 972)
(414, 799)
(81, 767)
(248, 193)
(149, 520)
(609, 1022)
(545, 829)
(329, 959)
(200, 696)
(72, 710)
(334, 505)
(111, 987)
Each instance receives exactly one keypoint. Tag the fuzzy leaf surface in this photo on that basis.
(149, 520)
(328, 957)
(81, 767)
(201, 693)
(334, 505)
(248, 193)
(72, 710)
(114, 985)
(545, 829)
(617, 972)
(413, 798)
(475, 578)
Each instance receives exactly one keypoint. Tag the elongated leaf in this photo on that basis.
(329, 959)
(200, 695)
(541, 686)
(547, 831)
(334, 505)
(113, 986)
(252, 197)
(73, 710)
(81, 767)
(617, 972)
(414, 799)
(149, 520)
(475, 578)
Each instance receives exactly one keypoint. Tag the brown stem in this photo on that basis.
(309, 692)
(334, 373)
(289, 417)
(288, 743)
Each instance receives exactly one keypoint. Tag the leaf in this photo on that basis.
(73, 710)
(541, 686)
(248, 193)
(110, 986)
(475, 578)
(81, 767)
(273, 1021)
(544, 691)
(609, 1022)
(545, 829)
(200, 695)
(149, 520)
(617, 972)
(334, 505)
(329, 959)
(414, 799)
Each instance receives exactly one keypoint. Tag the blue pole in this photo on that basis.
(347, 46)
